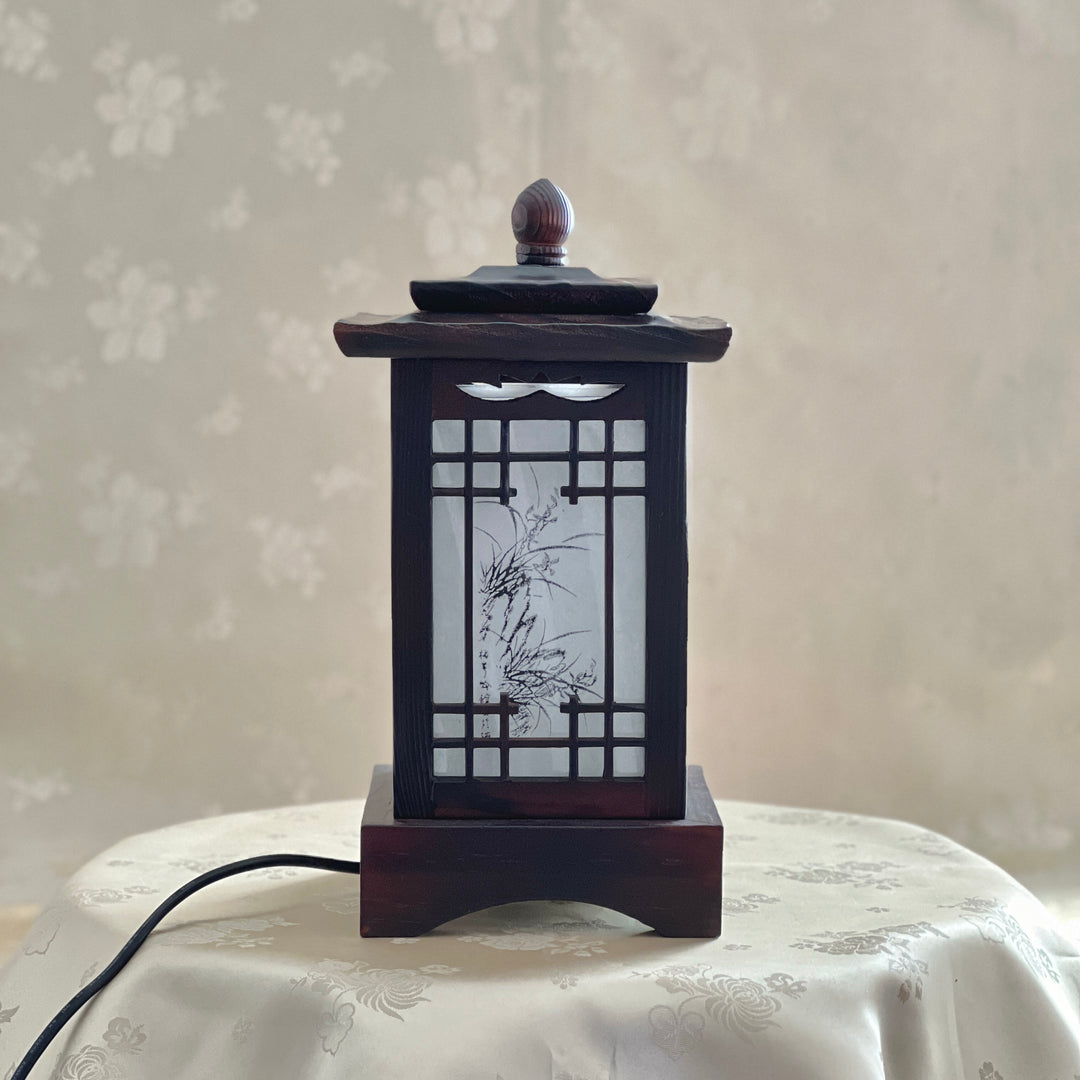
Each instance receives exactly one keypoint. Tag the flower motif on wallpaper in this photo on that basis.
(355, 275)
(16, 455)
(224, 419)
(237, 11)
(50, 581)
(55, 376)
(522, 102)
(54, 170)
(130, 518)
(367, 66)
(33, 790)
(397, 197)
(199, 300)
(1044, 29)
(459, 214)
(296, 349)
(591, 45)
(148, 104)
(234, 213)
(139, 311)
(340, 479)
(1019, 825)
(820, 11)
(188, 505)
(720, 115)
(336, 686)
(464, 29)
(220, 624)
(304, 141)
(24, 39)
(20, 253)
(288, 554)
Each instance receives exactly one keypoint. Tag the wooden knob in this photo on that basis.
(542, 219)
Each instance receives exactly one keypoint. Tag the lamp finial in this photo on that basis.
(542, 219)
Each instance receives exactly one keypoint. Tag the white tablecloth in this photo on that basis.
(853, 947)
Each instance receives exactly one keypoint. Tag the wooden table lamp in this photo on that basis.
(539, 598)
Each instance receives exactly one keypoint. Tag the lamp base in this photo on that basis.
(418, 873)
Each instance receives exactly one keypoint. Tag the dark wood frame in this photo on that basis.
(420, 873)
(425, 389)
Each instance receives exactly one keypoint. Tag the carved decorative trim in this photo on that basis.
(513, 390)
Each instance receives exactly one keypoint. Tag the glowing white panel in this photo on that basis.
(486, 436)
(628, 598)
(591, 436)
(628, 761)
(447, 599)
(448, 436)
(628, 725)
(448, 762)
(538, 599)
(539, 761)
(448, 726)
(629, 436)
(591, 761)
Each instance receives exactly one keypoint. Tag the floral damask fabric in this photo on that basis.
(916, 961)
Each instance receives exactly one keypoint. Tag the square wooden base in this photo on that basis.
(418, 873)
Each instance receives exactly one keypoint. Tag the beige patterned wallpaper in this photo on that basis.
(194, 553)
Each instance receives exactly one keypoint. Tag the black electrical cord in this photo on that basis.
(52, 1029)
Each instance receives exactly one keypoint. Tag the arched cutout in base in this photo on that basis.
(417, 874)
